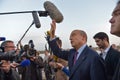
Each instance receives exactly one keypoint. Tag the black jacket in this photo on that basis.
(111, 61)
(117, 72)
(11, 75)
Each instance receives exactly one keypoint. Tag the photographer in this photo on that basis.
(34, 70)
(6, 72)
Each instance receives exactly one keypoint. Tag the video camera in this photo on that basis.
(29, 50)
(8, 56)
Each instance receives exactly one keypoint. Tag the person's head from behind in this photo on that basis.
(8, 45)
(26, 47)
(101, 39)
(114, 46)
(115, 20)
(78, 38)
(47, 52)
(59, 42)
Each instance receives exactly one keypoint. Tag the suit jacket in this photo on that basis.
(111, 61)
(89, 66)
(117, 72)
(66, 71)
(11, 75)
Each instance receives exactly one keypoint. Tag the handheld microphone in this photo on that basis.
(53, 12)
(36, 19)
(24, 63)
(2, 38)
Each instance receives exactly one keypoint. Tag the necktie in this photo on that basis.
(75, 57)
(101, 54)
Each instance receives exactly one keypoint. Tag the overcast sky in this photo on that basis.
(91, 16)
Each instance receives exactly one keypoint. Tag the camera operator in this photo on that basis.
(34, 70)
(6, 72)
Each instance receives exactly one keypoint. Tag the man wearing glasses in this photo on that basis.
(6, 72)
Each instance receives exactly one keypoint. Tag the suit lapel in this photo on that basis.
(81, 58)
(108, 56)
(71, 58)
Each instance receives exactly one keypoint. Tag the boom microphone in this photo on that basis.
(36, 19)
(53, 12)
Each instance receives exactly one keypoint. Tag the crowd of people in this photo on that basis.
(81, 62)
(11, 69)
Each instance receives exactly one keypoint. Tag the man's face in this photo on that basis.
(9, 47)
(76, 39)
(100, 43)
(115, 21)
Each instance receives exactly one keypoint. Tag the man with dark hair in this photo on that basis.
(115, 30)
(115, 20)
(109, 54)
(34, 70)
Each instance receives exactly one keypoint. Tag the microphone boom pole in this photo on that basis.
(41, 13)
(25, 33)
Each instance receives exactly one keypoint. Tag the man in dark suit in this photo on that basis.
(88, 66)
(109, 54)
(115, 30)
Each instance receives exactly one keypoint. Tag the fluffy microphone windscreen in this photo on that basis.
(25, 63)
(53, 12)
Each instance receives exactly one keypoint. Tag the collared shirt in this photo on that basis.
(80, 50)
(105, 52)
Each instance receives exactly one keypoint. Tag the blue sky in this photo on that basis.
(91, 16)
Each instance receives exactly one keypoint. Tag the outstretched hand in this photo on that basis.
(53, 28)
(59, 65)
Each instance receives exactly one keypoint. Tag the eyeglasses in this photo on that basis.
(10, 46)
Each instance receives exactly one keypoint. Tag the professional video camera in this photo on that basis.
(28, 50)
(8, 56)
(31, 51)
(11, 56)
